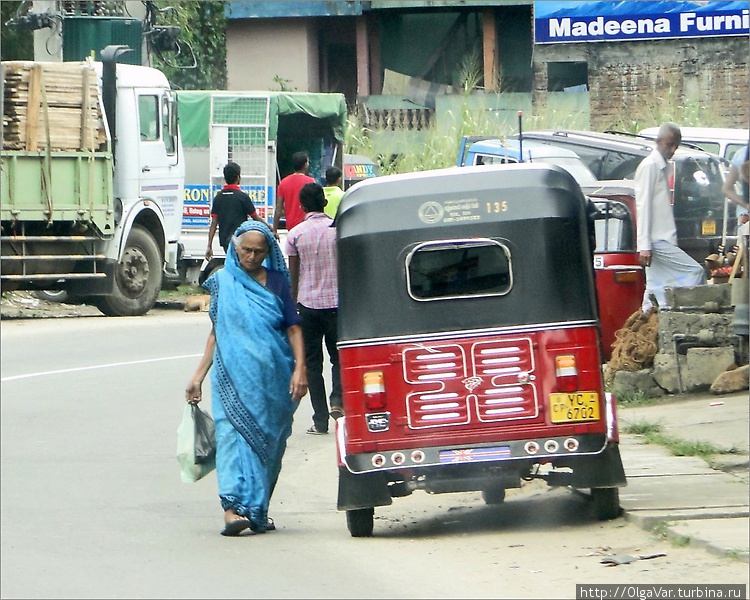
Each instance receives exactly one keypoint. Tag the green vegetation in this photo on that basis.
(201, 61)
(680, 541)
(643, 428)
(285, 85)
(634, 398)
(434, 148)
(437, 146)
(664, 105)
(653, 433)
(16, 45)
(661, 530)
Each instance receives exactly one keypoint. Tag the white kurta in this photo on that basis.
(670, 265)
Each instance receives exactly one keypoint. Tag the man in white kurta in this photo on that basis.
(666, 264)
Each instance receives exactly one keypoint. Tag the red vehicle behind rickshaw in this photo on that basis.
(620, 279)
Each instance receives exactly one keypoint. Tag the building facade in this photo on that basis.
(367, 50)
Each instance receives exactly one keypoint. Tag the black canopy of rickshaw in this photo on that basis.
(535, 211)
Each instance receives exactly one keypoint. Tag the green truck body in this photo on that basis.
(57, 187)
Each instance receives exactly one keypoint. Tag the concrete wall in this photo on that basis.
(701, 335)
(260, 49)
(636, 82)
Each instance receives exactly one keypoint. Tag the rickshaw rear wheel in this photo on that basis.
(360, 521)
(493, 495)
(606, 503)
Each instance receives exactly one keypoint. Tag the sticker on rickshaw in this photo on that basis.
(708, 228)
(378, 421)
(575, 406)
(450, 211)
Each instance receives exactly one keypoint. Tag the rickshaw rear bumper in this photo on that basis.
(548, 449)
(597, 464)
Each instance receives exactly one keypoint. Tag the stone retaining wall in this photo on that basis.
(698, 339)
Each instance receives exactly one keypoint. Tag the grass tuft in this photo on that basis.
(643, 428)
(634, 398)
(653, 433)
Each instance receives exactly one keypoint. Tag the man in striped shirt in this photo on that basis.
(311, 247)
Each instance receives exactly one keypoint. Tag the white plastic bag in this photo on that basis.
(196, 444)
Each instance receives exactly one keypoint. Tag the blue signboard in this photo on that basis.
(566, 22)
(196, 209)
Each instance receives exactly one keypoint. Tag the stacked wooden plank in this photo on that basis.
(51, 104)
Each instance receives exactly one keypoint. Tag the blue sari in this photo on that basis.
(252, 368)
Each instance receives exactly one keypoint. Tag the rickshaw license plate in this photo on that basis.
(708, 228)
(575, 406)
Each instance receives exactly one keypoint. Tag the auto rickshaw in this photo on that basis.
(469, 340)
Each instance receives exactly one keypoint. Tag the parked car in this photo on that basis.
(723, 141)
(699, 203)
(478, 150)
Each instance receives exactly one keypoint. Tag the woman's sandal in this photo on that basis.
(270, 526)
(235, 527)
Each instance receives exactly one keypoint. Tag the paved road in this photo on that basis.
(92, 505)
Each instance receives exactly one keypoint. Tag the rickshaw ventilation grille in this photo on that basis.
(464, 382)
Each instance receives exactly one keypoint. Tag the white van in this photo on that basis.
(723, 141)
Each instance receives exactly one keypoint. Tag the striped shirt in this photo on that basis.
(314, 242)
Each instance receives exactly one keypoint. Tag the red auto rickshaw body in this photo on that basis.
(469, 340)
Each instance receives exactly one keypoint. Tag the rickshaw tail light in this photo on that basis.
(373, 386)
(566, 372)
(626, 277)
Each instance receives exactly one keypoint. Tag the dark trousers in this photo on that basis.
(320, 326)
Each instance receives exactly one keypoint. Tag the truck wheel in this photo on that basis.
(137, 277)
(493, 495)
(360, 521)
(606, 503)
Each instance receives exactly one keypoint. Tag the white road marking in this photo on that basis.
(93, 367)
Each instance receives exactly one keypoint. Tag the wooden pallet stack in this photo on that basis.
(55, 104)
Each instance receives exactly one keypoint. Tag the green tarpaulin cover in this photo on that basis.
(194, 110)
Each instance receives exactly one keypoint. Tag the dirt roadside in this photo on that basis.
(26, 305)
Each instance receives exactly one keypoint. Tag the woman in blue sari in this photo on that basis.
(258, 377)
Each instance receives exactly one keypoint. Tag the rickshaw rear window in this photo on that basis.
(614, 227)
(456, 269)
